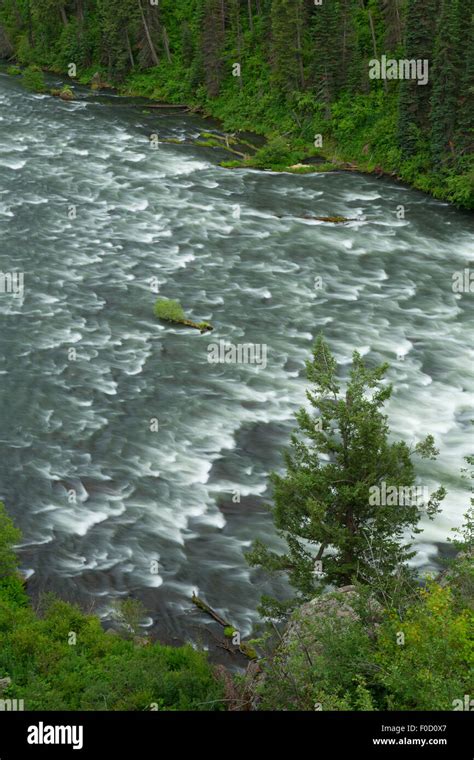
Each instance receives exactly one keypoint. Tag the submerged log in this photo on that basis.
(229, 630)
(201, 326)
(206, 608)
(330, 219)
(178, 106)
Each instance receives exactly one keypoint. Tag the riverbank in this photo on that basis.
(259, 143)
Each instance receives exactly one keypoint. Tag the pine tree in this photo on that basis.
(212, 44)
(287, 18)
(446, 77)
(393, 23)
(464, 136)
(323, 506)
(119, 24)
(414, 106)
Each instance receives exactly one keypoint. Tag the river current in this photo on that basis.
(122, 446)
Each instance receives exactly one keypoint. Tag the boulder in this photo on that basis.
(5, 683)
(299, 633)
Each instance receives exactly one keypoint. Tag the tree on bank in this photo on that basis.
(347, 499)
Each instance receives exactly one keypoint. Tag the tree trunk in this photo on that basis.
(80, 11)
(249, 3)
(372, 31)
(63, 15)
(298, 47)
(166, 44)
(129, 49)
(223, 14)
(154, 56)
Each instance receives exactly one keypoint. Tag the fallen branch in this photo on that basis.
(229, 630)
(206, 608)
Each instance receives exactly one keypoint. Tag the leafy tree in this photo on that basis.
(324, 506)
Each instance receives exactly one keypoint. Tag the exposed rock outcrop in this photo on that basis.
(300, 633)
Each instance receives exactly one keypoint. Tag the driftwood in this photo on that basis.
(202, 326)
(331, 219)
(206, 608)
(179, 106)
(229, 630)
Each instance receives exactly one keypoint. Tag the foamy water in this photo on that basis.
(91, 214)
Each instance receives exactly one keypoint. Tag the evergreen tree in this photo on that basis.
(119, 23)
(325, 506)
(287, 18)
(212, 44)
(446, 76)
(464, 136)
(414, 107)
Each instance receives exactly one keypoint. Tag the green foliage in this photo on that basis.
(99, 671)
(170, 310)
(421, 660)
(61, 659)
(277, 153)
(304, 71)
(9, 536)
(33, 79)
(129, 613)
(434, 664)
(323, 506)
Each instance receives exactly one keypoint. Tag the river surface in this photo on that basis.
(86, 369)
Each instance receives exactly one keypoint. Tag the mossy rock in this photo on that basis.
(248, 650)
(14, 71)
(65, 93)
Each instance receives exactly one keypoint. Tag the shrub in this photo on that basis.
(431, 665)
(33, 79)
(170, 310)
(276, 153)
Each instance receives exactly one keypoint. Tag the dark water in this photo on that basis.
(213, 240)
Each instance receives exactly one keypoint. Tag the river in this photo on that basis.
(97, 220)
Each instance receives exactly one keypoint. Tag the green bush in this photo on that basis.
(434, 663)
(170, 310)
(33, 79)
(420, 660)
(58, 658)
(276, 153)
